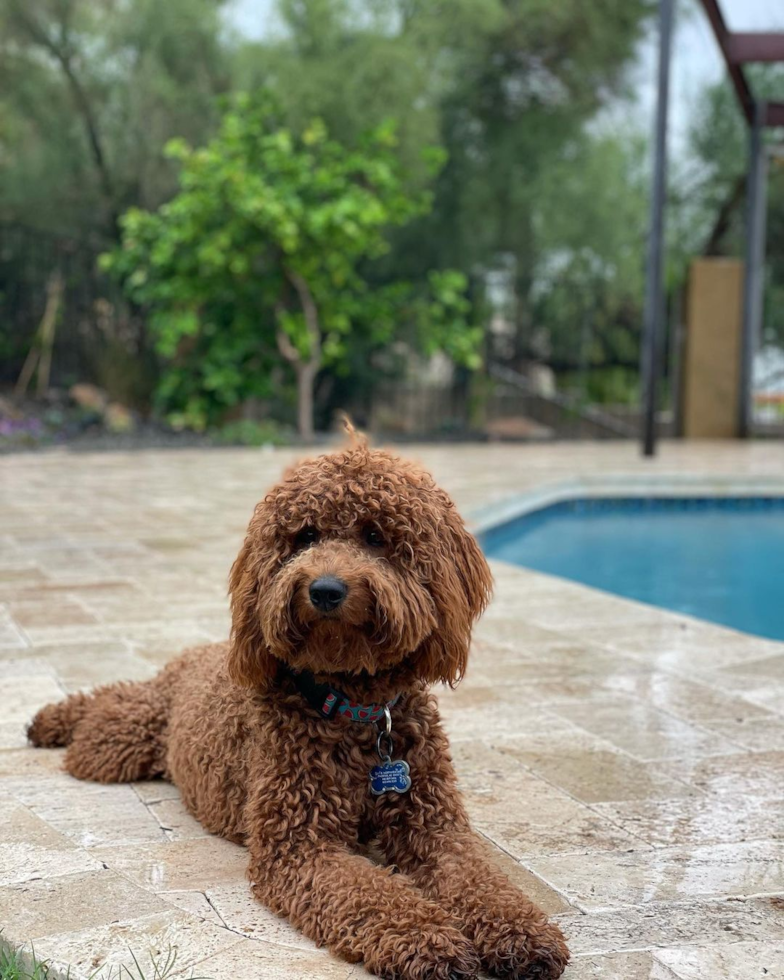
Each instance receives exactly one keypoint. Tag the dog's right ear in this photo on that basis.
(250, 663)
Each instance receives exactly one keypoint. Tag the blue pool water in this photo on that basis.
(719, 559)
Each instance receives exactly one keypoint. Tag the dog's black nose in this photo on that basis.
(327, 593)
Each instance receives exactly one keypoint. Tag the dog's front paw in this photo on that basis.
(535, 952)
(438, 953)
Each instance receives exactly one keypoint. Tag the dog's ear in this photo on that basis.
(250, 663)
(461, 585)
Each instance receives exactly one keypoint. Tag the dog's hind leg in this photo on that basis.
(115, 735)
(54, 724)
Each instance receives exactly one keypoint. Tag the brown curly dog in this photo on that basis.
(355, 589)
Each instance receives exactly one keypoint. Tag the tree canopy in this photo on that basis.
(261, 252)
(505, 92)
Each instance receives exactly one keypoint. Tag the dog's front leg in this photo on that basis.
(360, 911)
(450, 863)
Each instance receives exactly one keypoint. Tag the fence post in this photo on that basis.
(654, 305)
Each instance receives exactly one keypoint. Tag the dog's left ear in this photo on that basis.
(250, 663)
(461, 585)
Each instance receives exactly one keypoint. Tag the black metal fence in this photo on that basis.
(95, 335)
(51, 289)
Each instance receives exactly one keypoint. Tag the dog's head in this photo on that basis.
(356, 562)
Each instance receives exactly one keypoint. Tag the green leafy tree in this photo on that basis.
(591, 223)
(262, 254)
(504, 86)
(709, 193)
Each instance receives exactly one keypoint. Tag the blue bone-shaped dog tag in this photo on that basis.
(390, 777)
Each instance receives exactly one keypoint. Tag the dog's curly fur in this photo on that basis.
(256, 764)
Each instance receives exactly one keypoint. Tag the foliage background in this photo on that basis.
(540, 206)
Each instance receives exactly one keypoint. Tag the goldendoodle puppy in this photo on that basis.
(312, 732)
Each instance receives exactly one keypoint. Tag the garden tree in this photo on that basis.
(90, 90)
(263, 250)
(708, 195)
(590, 221)
(357, 63)
(506, 87)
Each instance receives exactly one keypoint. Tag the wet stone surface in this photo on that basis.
(624, 764)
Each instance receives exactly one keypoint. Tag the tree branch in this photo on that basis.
(724, 217)
(285, 346)
(62, 54)
(311, 314)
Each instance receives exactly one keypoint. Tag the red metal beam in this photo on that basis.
(774, 114)
(746, 99)
(743, 48)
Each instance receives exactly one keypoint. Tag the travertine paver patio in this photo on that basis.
(627, 764)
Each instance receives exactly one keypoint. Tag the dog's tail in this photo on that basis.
(54, 724)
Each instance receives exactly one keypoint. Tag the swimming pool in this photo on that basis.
(718, 558)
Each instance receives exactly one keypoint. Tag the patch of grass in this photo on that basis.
(16, 966)
(247, 432)
(23, 965)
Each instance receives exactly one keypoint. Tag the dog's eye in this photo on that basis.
(308, 535)
(374, 538)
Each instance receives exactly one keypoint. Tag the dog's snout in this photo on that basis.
(327, 593)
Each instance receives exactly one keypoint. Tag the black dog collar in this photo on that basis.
(329, 701)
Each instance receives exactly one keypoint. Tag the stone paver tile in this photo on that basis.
(159, 651)
(156, 790)
(24, 693)
(744, 961)
(618, 966)
(15, 575)
(699, 819)
(251, 958)
(518, 635)
(642, 731)
(87, 665)
(179, 865)
(525, 814)
(12, 735)
(687, 646)
(748, 774)
(30, 848)
(150, 940)
(571, 612)
(194, 902)
(472, 712)
(593, 771)
(759, 734)
(67, 903)
(766, 667)
(45, 636)
(90, 813)
(146, 609)
(59, 611)
(11, 637)
(696, 923)
(553, 673)
(537, 890)
(238, 910)
(175, 820)
(692, 700)
(177, 634)
(25, 663)
(25, 763)
(665, 874)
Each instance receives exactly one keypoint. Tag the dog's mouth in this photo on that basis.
(366, 639)
(348, 615)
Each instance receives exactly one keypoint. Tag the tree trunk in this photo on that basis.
(306, 376)
(305, 371)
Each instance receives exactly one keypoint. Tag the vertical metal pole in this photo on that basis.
(654, 300)
(754, 275)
